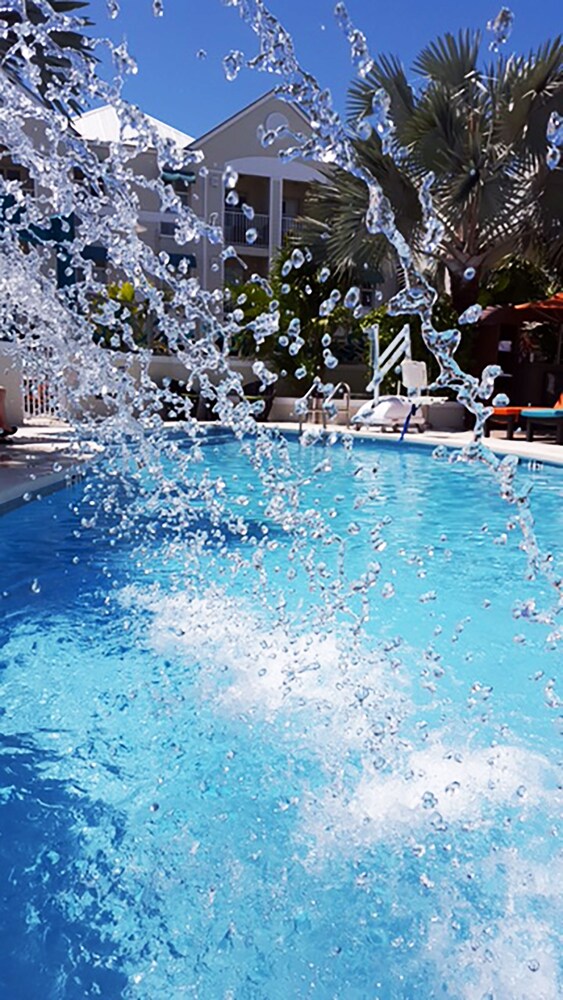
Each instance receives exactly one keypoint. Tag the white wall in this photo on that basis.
(11, 379)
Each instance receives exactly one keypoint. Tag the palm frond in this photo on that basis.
(388, 74)
(450, 60)
(522, 95)
(53, 57)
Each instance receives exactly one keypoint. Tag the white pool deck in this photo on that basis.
(44, 454)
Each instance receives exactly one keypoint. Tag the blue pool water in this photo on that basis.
(242, 779)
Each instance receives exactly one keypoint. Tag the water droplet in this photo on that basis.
(501, 27)
(429, 800)
(247, 211)
(113, 9)
(430, 595)
(36, 587)
(251, 235)
(388, 591)
(501, 399)
(297, 258)
(232, 198)
(230, 178)
(533, 965)
(158, 8)
(471, 315)
(469, 274)
(553, 157)
(352, 298)
(554, 135)
(201, 54)
(232, 64)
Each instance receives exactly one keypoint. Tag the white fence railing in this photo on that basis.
(291, 225)
(237, 226)
(40, 395)
(39, 399)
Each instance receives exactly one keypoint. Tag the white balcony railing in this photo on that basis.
(237, 226)
(291, 225)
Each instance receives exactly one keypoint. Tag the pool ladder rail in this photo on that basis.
(312, 405)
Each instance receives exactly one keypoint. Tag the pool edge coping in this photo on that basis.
(44, 485)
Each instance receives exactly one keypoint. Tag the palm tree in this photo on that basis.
(38, 51)
(481, 130)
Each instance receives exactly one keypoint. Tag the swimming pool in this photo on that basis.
(321, 765)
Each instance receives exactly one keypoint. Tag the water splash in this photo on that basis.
(554, 136)
(155, 484)
(330, 144)
(232, 64)
(501, 28)
(359, 50)
(471, 315)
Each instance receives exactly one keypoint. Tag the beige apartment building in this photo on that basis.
(254, 215)
(274, 190)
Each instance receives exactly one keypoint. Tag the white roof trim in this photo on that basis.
(102, 125)
(276, 169)
(244, 111)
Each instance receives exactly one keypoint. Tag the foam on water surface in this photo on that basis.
(212, 758)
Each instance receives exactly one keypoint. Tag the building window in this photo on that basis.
(14, 173)
(168, 227)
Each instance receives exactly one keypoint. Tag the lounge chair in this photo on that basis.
(504, 416)
(546, 418)
(398, 413)
(388, 413)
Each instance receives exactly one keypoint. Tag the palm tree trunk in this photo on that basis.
(464, 292)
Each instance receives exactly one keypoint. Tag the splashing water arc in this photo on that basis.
(252, 587)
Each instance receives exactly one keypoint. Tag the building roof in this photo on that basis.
(549, 309)
(102, 125)
(227, 122)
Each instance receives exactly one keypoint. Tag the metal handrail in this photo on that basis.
(307, 405)
(382, 364)
(310, 404)
(328, 404)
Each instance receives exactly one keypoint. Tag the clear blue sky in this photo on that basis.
(192, 94)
